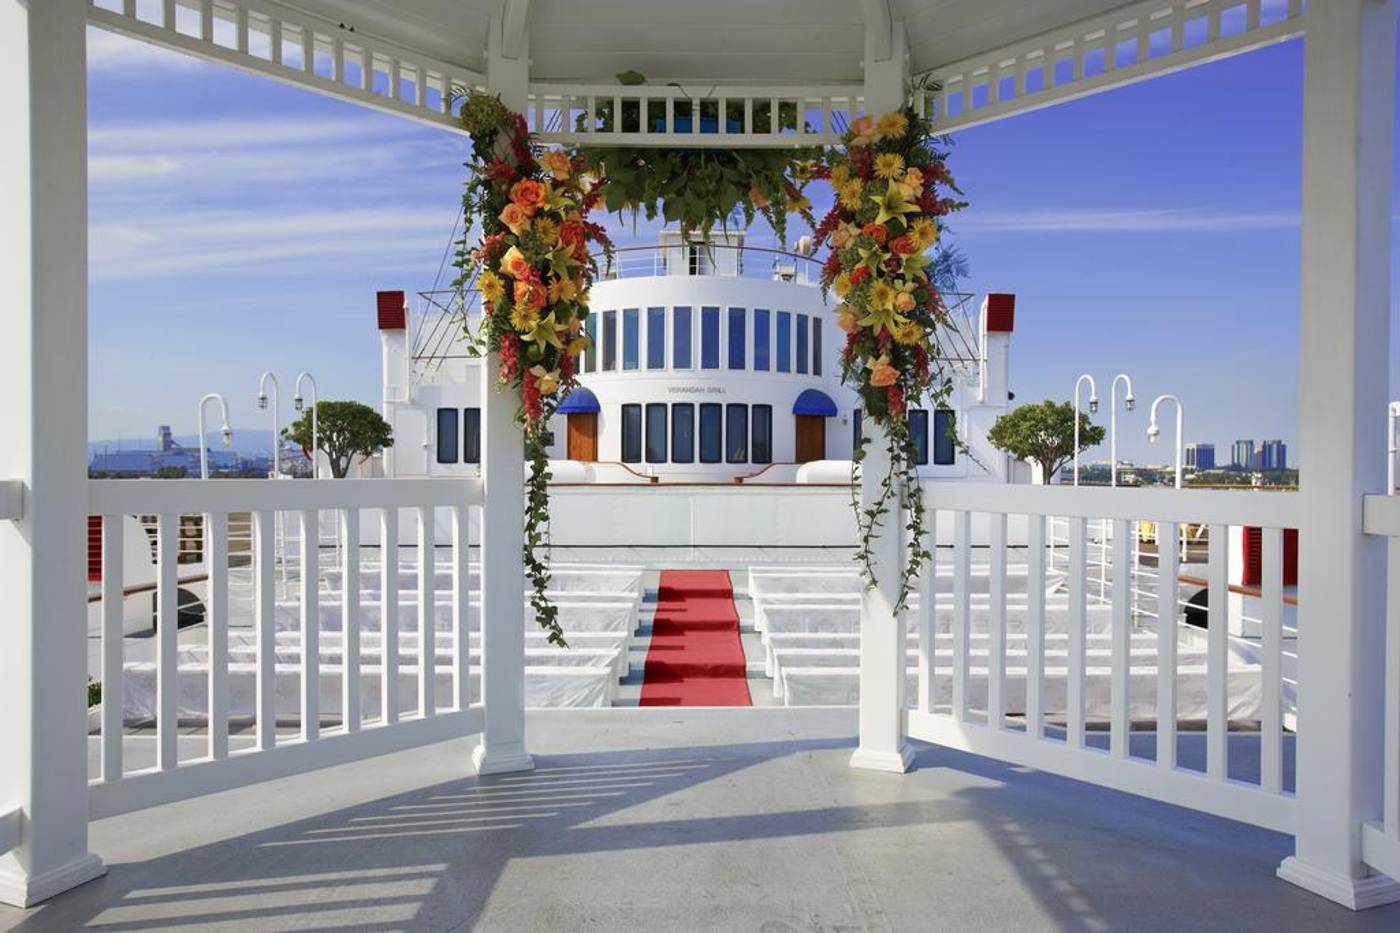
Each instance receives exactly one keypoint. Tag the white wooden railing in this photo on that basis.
(1118, 47)
(288, 44)
(1380, 842)
(1065, 740)
(264, 752)
(709, 115)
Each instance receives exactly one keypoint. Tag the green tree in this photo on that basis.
(1044, 432)
(346, 430)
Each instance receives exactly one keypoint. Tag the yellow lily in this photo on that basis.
(546, 331)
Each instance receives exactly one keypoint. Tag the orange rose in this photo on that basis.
(876, 232)
(529, 294)
(904, 302)
(557, 163)
(528, 193)
(516, 218)
(514, 263)
(882, 374)
(903, 246)
(847, 319)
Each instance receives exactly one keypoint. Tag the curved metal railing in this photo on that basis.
(709, 259)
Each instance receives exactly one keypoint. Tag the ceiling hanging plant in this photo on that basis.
(892, 191)
(533, 268)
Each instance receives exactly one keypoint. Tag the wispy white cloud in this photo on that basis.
(1157, 220)
(252, 242)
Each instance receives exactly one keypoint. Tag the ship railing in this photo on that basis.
(709, 259)
(281, 711)
(1076, 683)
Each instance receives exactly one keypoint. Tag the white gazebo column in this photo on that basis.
(43, 380)
(502, 745)
(882, 746)
(1348, 141)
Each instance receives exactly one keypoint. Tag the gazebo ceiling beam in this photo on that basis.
(514, 22)
(878, 26)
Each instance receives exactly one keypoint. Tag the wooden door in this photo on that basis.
(583, 436)
(811, 438)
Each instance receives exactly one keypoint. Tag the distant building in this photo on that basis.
(1242, 455)
(1200, 456)
(1273, 455)
(169, 457)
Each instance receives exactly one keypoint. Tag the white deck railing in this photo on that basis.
(1064, 740)
(1380, 843)
(264, 752)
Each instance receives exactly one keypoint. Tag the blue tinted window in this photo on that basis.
(656, 338)
(709, 338)
(918, 427)
(590, 356)
(760, 339)
(631, 337)
(738, 336)
(736, 433)
(447, 435)
(816, 346)
(855, 434)
(761, 450)
(944, 449)
(631, 434)
(784, 342)
(656, 433)
(802, 343)
(680, 338)
(609, 341)
(711, 433)
(683, 433)
(471, 433)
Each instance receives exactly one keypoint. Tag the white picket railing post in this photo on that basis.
(43, 271)
(1348, 147)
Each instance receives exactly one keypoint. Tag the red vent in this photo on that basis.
(392, 310)
(94, 548)
(1253, 557)
(1001, 313)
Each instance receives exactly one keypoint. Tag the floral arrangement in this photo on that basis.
(892, 193)
(533, 268)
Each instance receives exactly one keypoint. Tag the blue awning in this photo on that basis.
(579, 400)
(814, 402)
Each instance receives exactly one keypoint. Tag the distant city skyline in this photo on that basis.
(238, 225)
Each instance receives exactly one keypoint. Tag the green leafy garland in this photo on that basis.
(888, 214)
(701, 189)
(533, 268)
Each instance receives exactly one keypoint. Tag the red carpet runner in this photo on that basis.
(695, 658)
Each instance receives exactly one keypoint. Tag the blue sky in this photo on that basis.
(238, 224)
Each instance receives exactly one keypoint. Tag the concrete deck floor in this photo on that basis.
(667, 819)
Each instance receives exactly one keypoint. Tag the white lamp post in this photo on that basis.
(1154, 434)
(224, 429)
(1093, 407)
(300, 403)
(1129, 403)
(1393, 449)
(276, 428)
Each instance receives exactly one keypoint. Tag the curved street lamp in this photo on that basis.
(276, 428)
(299, 403)
(1093, 407)
(224, 430)
(1394, 448)
(1129, 403)
(1154, 434)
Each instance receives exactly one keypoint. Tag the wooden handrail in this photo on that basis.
(1237, 589)
(138, 588)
